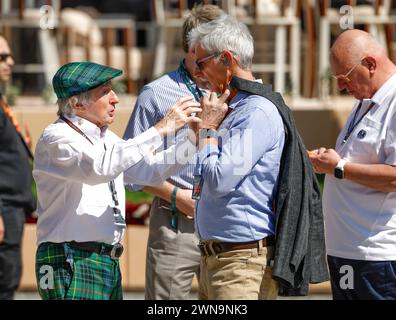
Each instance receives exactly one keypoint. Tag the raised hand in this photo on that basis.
(214, 110)
(181, 113)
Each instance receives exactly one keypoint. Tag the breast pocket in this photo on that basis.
(366, 140)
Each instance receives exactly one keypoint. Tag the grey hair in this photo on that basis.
(65, 105)
(225, 33)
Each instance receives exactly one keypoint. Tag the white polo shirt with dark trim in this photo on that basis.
(360, 222)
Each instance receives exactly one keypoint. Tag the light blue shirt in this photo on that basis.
(240, 176)
(151, 106)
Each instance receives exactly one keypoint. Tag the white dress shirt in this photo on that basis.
(72, 177)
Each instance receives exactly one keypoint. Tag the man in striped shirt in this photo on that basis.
(172, 253)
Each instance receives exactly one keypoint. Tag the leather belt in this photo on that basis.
(114, 251)
(213, 247)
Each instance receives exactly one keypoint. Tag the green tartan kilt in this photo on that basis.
(65, 273)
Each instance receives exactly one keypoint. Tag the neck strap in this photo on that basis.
(189, 82)
(74, 127)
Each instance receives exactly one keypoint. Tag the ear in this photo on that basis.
(227, 58)
(77, 106)
(370, 63)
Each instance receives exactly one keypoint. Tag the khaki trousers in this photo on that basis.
(172, 255)
(238, 275)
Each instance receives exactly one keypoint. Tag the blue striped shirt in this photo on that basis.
(151, 106)
(240, 176)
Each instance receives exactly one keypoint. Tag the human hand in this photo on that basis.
(214, 110)
(185, 203)
(181, 113)
(324, 160)
(2, 229)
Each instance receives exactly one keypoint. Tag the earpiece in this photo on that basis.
(226, 61)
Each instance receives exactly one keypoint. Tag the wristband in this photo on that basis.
(174, 210)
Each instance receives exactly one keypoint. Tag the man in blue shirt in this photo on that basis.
(237, 171)
(172, 253)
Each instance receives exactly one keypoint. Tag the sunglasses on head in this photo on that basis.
(5, 56)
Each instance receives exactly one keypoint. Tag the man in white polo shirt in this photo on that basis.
(359, 198)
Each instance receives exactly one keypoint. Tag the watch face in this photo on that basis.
(339, 173)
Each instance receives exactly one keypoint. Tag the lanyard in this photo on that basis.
(13, 121)
(352, 124)
(73, 126)
(111, 183)
(191, 85)
(112, 188)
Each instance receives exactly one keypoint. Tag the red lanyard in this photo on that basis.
(15, 124)
(73, 126)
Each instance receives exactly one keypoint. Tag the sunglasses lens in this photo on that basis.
(4, 56)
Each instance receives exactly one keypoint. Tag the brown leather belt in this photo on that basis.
(213, 247)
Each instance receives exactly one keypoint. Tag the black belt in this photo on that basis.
(114, 251)
(209, 247)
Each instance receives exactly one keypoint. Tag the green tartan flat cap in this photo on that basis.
(77, 77)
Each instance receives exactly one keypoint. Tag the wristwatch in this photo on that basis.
(207, 133)
(339, 169)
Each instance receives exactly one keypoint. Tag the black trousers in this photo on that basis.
(362, 280)
(10, 251)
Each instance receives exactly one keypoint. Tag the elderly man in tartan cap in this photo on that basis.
(80, 171)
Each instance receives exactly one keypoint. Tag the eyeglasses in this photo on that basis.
(5, 56)
(345, 77)
(200, 62)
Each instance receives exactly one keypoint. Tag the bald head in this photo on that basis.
(360, 64)
(353, 45)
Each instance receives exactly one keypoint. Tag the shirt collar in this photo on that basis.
(179, 72)
(240, 95)
(384, 92)
(89, 128)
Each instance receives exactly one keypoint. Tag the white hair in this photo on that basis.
(65, 105)
(225, 33)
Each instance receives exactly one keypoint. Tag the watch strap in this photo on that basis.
(207, 133)
(341, 164)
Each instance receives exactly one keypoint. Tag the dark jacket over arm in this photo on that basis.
(300, 256)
